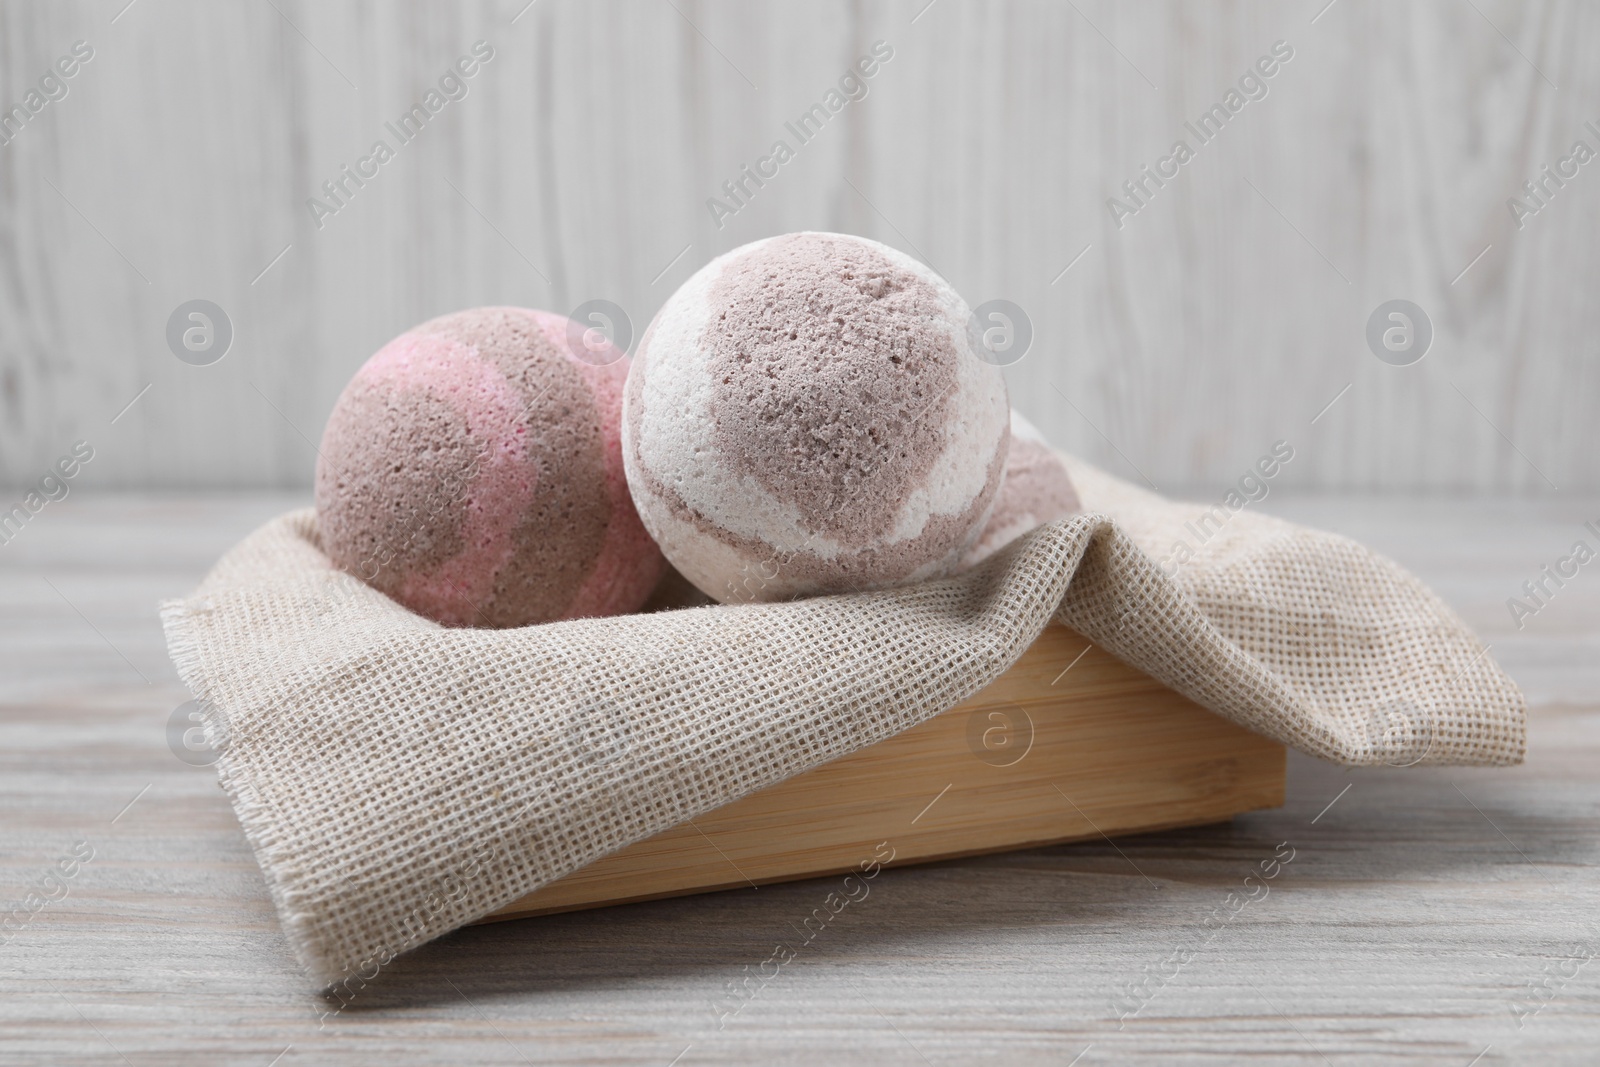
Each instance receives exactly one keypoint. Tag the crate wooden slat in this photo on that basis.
(1038, 757)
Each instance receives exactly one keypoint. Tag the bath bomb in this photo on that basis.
(808, 414)
(1037, 490)
(472, 470)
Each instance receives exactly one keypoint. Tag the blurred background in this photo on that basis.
(1175, 338)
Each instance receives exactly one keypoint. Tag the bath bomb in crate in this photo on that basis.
(472, 470)
(809, 414)
(1037, 490)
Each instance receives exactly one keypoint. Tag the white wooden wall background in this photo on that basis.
(1223, 317)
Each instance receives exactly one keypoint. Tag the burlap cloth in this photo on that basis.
(397, 779)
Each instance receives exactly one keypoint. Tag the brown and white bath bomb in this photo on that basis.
(1037, 490)
(808, 414)
(472, 470)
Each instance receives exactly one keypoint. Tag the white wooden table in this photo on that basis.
(1422, 909)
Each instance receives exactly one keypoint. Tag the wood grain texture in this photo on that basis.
(1044, 754)
(1224, 316)
(1419, 909)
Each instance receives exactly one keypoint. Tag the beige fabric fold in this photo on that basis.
(397, 779)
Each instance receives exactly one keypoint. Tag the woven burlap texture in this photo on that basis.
(397, 779)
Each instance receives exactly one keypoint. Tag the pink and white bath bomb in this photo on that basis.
(472, 470)
(1037, 490)
(808, 414)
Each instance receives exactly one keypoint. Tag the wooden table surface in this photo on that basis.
(1427, 915)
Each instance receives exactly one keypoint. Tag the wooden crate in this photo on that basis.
(1067, 745)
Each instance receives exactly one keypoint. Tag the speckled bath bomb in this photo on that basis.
(472, 470)
(1037, 490)
(808, 414)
